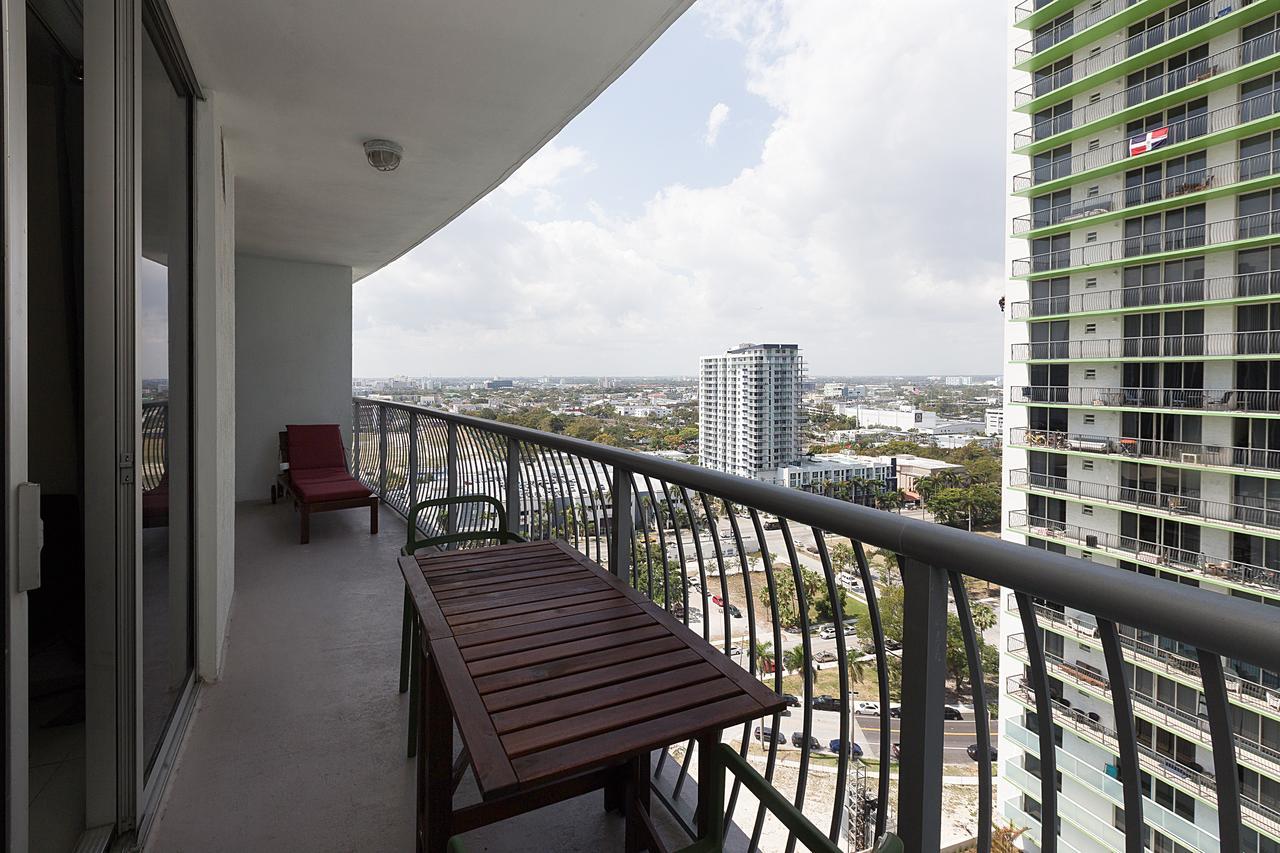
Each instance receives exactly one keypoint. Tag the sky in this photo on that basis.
(828, 173)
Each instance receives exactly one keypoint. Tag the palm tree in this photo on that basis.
(890, 499)
(794, 659)
(764, 656)
(855, 665)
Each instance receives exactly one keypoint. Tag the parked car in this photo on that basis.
(870, 708)
(850, 630)
(770, 735)
(828, 632)
(855, 751)
(974, 751)
(951, 712)
(826, 703)
(733, 611)
(717, 601)
(824, 656)
(895, 710)
(793, 701)
(893, 645)
(797, 740)
(896, 750)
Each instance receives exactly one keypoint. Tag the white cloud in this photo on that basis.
(869, 232)
(715, 120)
(538, 175)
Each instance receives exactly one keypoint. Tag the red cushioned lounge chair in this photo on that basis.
(317, 476)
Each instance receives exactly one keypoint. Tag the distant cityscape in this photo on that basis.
(753, 411)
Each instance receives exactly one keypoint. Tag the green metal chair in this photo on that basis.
(497, 533)
(726, 758)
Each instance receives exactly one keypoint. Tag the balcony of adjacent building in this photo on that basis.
(1058, 36)
(1210, 401)
(1147, 239)
(1194, 347)
(1156, 557)
(1245, 513)
(1223, 458)
(1166, 83)
(1186, 722)
(1182, 130)
(1159, 36)
(1177, 771)
(1231, 289)
(1182, 181)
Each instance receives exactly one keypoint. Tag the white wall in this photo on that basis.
(293, 359)
(215, 373)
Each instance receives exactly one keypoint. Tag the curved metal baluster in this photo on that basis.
(882, 679)
(570, 512)
(662, 545)
(603, 474)
(679, 534)
(724, 581)
(1224, 751)
(842, 659)
(1044, 720)
(529, 493)
(547, 504)
(585, 500)
(807, 727)
(772, 760)
(981, 718)
(1122, 706)
(638, 504)
(706, 619)
(745, 743)
(702, 568)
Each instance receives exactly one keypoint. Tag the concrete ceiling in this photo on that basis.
(470, 88)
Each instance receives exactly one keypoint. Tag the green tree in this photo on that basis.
(793, 659)
(652, 562)
(764, 656)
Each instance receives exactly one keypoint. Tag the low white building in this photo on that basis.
(838, 468)
(995, 420)
(905, 418)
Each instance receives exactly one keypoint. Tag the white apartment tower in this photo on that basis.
(749, 409)
(1143, 425)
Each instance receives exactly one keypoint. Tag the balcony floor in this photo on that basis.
(301, 744)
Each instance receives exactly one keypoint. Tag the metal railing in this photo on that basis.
(1196, 71)
(1192, 127)
(1187, 504)
(1205, 235)
(155, 445)
(1153, 708)
(1263, 343)
(1079, 22)
(1244, 286)
(1172, 186)
(1191, 399)
(1191, 19)
(1207, 786)
(676, 533)
(1124, 447)
(1152, 554)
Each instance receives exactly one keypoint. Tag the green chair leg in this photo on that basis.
(406, 640)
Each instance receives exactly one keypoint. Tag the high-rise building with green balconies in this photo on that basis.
(1143, 429)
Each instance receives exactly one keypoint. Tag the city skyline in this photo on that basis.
(725, 188)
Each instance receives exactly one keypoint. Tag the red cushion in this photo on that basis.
(316, 446)
(326, 484)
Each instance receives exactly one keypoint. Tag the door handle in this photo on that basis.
(30, 534)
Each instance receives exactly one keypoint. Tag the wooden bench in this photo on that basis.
(562, 680)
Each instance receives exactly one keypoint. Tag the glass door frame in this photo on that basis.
(119, 797)
(14, 784)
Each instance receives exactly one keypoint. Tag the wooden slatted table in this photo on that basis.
(562, 680)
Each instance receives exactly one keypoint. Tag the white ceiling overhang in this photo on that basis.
(470, 88)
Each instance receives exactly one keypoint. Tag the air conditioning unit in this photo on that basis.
(1191, 458)
(1091, 541)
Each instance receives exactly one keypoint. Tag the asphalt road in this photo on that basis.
(825, 726)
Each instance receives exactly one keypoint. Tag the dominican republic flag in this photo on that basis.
(1148, 141)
